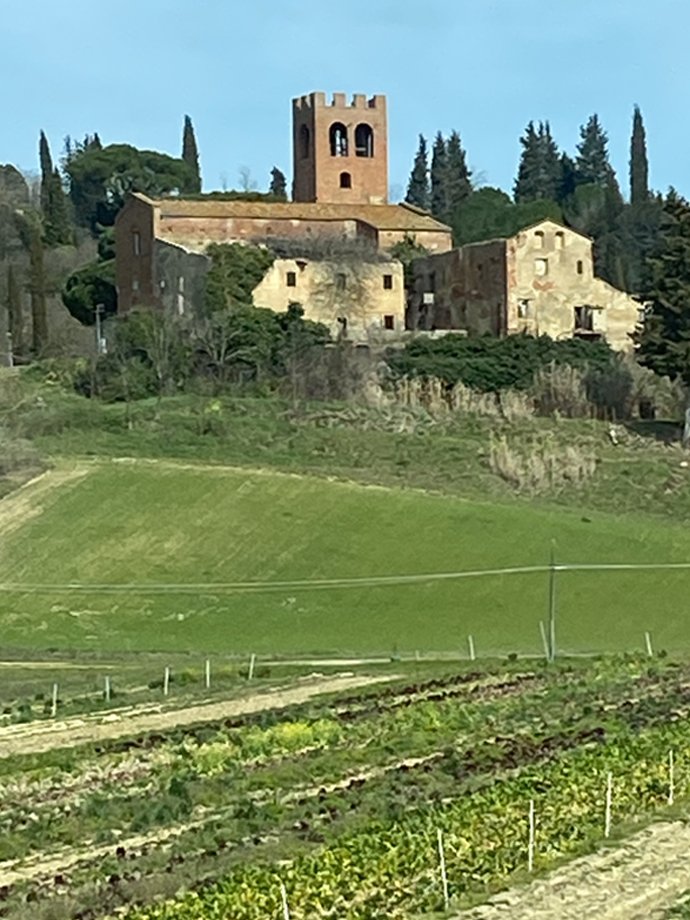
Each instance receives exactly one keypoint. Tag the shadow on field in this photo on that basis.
(668, 432)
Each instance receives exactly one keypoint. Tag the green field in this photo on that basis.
(162, 523)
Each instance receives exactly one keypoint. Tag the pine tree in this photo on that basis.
(540, 170)
(592, 161)
(15, 319)
(418, 190)
(190, 154)
(639, 166)
(459, 182)
(439, 179)
(278, 187)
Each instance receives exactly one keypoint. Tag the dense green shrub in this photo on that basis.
(491, 364)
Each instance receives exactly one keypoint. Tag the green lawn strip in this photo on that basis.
(125, 524)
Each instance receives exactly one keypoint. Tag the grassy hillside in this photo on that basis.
(165, 523)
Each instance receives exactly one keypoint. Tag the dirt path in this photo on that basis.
(46, 735)
(28, 500)
(637, 879)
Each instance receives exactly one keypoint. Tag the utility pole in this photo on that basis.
(10, 350)
(100, 342)
(552, 603)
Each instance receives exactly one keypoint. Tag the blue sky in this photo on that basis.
(132, 69)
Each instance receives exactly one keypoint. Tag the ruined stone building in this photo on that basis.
(540, 281)
(340, 192)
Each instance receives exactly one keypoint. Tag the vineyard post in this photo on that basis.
(251, 666)
(648, 642)
(53, 708)
(208, 674)
(530, 848)
(444, 877)
(609, 793)
(552, 603)
(283, 895)
(166, 681)
(670, 778)
(107, 688)
(470, 642)
(544, 639)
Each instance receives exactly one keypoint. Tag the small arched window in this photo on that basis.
(304, 143)
(345, 180)
(338, 135)
(364, 141)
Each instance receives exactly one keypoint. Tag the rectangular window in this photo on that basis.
(584, 319)
(389, 322)
(580, 267)
(388, 282)
(523, 309)
(541, 266)
(135, 285)
(136, 242)
(560, 240)
(340, 281)
(291, 279)
(539, 237)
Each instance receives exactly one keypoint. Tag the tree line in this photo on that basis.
(582, 192)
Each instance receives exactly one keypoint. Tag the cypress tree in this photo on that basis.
(459, 184)
(29, 229)
(540, 170)
(664, 341)
(639, 165)
(57, 230)
(439, 179)
(190, 154)
(418, 190)
(278, 187)
(592, 161)
(15, 320)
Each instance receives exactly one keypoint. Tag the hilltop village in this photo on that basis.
(336, 244)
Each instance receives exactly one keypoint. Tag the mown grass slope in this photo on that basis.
(145, 522)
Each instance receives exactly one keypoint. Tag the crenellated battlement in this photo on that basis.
(338, 101)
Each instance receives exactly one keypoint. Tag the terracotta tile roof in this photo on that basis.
(381, 216)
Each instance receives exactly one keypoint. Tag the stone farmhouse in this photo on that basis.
(540, 281)
(340, 193)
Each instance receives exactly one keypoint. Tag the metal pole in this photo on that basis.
(444, 877)
(99, 336)
(530, 849)
(10, 350)
(609, 794)
(552, 603)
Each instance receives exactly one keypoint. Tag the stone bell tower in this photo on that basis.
(340, 149)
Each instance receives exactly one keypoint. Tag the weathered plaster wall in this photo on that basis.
(433, 240)
(551, 276)
(330, 290)
(467, 286)
(180, 279)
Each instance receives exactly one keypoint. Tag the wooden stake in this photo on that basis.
(671, 788)
(53, 709)
(648, 642)
(544, 639)
(444, 878)
(251, 667)
(286, 909)
(166, 682)
(107, 688)
(552, 603)
(208, 673)
(470, 642)
(609, 793)
(530, 848)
